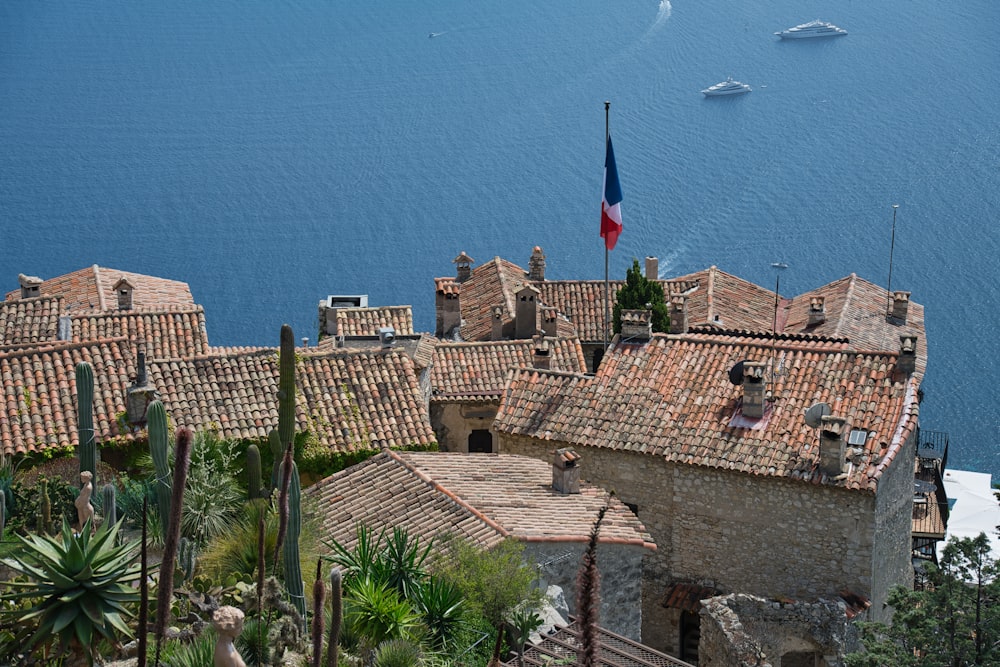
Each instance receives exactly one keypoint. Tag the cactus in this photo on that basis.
(143, 616)
(85, 419)
(44, 507)
(159, 440)
(277, 451)
(336, 616)
(165, 589)
(319, 592)
(286, 387)
(254, 489)
(187, 558)
(110, 505)
(293, 569)
(3, 514)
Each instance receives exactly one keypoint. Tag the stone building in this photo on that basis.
(704, 433)
(490, 497)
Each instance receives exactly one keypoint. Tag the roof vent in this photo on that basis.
(906, 363)
(123, 288)
(678, 314)
(31, 286)
(566, 471)
(386, 336)
(900, 306)
(817, 310)
(541, 354)
(832, 449)
(637, 325)
(463, 264)
(496, 329)
(754, 389)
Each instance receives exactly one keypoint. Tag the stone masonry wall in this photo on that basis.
(739, 533)
(621, 580)
(894, 524)
(453, 422)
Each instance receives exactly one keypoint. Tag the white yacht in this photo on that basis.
(811, 29)
(727, 87)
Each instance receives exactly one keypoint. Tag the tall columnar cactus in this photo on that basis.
(159, 443)
(336, 617)
(319, 593)
(165, 590)
(286, 387)
(44, 507)
(293, 569)
(109, 501)
(254, 489)
(277, 451)
(3, 514)
(85, 419)
(187, 558)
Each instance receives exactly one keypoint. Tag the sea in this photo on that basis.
(271, 153)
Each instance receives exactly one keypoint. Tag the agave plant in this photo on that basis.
(82, 585)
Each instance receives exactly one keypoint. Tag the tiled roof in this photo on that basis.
(350, 399)
(481, 497)
(561, 648)
(92, 289)
(29, 321)
(724, 300)
(491, 284)
(367, 321)
(672, 398)
(478, 371)
(682, 595)
(179, 332)
(39, 393)
(856, 310)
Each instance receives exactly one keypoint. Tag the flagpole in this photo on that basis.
(607, 288)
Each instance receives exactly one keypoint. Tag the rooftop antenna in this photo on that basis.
(780, 266)
(892, 245)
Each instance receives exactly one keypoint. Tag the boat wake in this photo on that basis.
(662, 15)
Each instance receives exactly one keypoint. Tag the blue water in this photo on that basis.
(271, 153)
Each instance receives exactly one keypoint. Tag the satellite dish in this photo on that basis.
(815, 414)
(736, 373)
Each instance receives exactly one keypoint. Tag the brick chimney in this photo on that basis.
(123, 288)
(447, 307)
(526, 312)
(900, 306)
(463, 267)
(31, 286)
(541, 354)
(817, 310)
(652, 268)
(140, 394)
(754, 389)
(637, 325)
(566, 471)
(906, 363)
(678, 314)
(550, 321)
(831, 445)
(496, 323)
(536, 264)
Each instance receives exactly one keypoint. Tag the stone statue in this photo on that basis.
(84, 510)
(228, 624)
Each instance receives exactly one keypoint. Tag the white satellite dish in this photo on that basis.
(814, 415)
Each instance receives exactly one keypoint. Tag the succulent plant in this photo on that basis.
(110, 504)
(293, 568)
(85, 419)
(336, 617)
(254, 489)
(3, 514)
(159, 444)
(319, 593)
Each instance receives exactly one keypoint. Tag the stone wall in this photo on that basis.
(740, 533)
(454, 422)
(892, 556)
(743, 631)
(621, 580)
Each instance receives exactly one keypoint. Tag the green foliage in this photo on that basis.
(254, 488)
(640, 293)
(375, 611)
(85, 419)
(291, 553)
(159, 449)
(443, 611)
(954, 621)
(280, 628)
(235, 550)
(398, 653)
(195, 653)
(28, 500)
(213, 497)
(130, 496)
(81, 588)
(396, 560)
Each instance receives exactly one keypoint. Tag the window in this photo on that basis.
(480, 441)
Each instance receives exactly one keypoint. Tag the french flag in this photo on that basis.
(611, 207)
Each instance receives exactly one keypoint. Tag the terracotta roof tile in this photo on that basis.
(367, 321)
(671, 397)
(92, 289)
(29, 321)
(478, 371)
(169, 333)
(481, 497)
(491, 284)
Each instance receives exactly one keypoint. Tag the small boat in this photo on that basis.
(727, 87)
(811, 29)
(779, 265)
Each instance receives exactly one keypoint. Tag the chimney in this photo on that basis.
(652, 268)
(906, 363)
(550, 321)
(831, 445)
(678, 314)
(140, 394)
(566, 471)
(540, 354)
(123, 288)
(386, 337)
(900, 305)
(526, 313)
(817, 310)
(536, 265)
(496, 331)
(637, 325)
(463, 264)
(447, 307)
(30, 286)
(754, 388)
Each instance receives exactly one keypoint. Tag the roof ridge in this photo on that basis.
(437, 486)
(848, 297)
(47, 347)
(100, 288)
